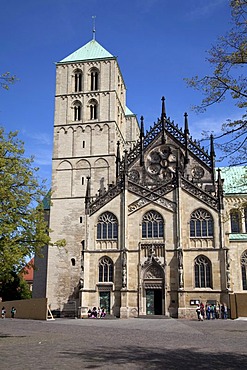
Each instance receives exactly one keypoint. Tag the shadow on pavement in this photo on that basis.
(152, 358)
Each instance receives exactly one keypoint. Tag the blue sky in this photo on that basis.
(158, 43)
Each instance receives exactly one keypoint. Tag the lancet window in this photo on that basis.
(105, 270)
(77, 111)
(94, 79)
(203, 272)
(78, 80)
(235, 218)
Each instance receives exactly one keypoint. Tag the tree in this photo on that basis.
(23, 230)
(14, 288)
(229, 59)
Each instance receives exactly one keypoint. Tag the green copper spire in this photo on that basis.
(91, 51)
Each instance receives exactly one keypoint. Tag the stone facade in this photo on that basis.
(146, 222)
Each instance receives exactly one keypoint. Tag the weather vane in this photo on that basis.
(94, 31)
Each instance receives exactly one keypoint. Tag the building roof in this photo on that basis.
(91, 51)
(235, 179)
(27, 272)
(128, 112)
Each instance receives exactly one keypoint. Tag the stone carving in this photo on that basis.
(180, 267)
(124, 270)
(197, 172)
(153, 272)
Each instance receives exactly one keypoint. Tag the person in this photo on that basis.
(99, 313)
(225, 311)
(212, 311)
(202, 310)
(222, 311)
(217, 310)
(94, 313)
(3, 312)
(103, 313)
(208, 311)
(198, 311)
(89, 313)
(13, 312)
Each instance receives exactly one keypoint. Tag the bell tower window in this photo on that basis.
(94, 80)
(78, 80)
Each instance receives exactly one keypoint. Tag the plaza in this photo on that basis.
(138, 343)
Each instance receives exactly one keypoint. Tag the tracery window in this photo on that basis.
(201, 224)
(203, 272)
(107, 226)
(243, 261)
(235, 219)
(152, 225)
(93, 109)
(78, 80)
(77, 111)
(94, 79)
(105, 270)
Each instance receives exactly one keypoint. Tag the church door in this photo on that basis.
(104, 301)
(154, 301)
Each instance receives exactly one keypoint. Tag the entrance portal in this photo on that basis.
(154, 301)
(104, 301)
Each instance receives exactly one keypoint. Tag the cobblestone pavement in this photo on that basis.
(123, 344)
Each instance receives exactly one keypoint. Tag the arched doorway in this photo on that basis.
(153, 284)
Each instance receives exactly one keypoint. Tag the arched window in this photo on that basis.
(152, 225)
(244, 269)
(78, 80)
(93, 109)
(105, 270)
(77, 111)
(94, 79)
(235, 218)
(107, 226)
(203, 273)
(245, 218)
(201, 224)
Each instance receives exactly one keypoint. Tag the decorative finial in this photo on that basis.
(94, 30)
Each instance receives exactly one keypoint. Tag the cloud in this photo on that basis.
(38, 137)
(201, 8)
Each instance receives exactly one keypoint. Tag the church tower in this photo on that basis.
(91, 125)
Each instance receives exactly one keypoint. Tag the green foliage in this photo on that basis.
(228, 59)
(23, 230)
(14, 288)
(7, 79)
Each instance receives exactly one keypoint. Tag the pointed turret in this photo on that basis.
(186, 135)
(212, 157)
(141, 142)
(118, 160)
(88, 195)
(220, 190)
(163, 117)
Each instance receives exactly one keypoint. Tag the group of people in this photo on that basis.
(96, 313)
(12, 312)
(211, 311)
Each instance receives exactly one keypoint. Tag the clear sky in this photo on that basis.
(158, 43)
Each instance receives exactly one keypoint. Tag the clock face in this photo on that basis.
(197, 172)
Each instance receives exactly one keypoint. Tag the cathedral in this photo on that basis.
(151, 226)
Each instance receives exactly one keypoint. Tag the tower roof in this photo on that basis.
(91, 51)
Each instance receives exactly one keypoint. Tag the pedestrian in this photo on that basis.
(198, 311)
(208, 310)
(225, 311)
(222, 310)
(212, 311)
(13, 312)
(202, 310)
(3, 312)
